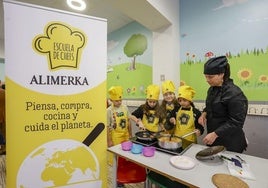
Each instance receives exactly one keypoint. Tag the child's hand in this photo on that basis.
(140, 125)
(110, 143)
(172, 120)
(197, 132)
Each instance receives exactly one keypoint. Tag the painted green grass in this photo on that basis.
(254, 89)
(134, 82)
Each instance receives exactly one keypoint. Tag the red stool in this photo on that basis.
(129, 172)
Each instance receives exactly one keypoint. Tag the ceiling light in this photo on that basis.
(77, 4)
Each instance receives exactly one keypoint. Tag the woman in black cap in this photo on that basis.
(226, 108)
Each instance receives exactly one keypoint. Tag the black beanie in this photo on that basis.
(215, 65)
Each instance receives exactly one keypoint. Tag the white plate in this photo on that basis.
(182, 162)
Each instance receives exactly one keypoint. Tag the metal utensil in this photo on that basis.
(242, 160)
(235, 161)
(188, 134)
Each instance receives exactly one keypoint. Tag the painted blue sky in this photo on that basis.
(222, 26)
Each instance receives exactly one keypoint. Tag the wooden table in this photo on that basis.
(201, 174)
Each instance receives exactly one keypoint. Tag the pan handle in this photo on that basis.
(94, 134)
(188, 134)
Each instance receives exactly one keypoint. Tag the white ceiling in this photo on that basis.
(97, 8)
(117, 12)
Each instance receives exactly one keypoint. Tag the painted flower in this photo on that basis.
(128, 90)
(133, 90)
(182, 83)
(209, 54)
(244, 74)
(263, 79)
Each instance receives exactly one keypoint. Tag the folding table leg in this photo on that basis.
(114, 171)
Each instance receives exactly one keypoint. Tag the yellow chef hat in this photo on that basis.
(153, 92)
(116, 93)
(186, 92)
(168, 86)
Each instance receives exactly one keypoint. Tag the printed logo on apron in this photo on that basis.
(184, 119)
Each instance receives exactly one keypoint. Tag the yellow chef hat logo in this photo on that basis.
(116, 93)
(153, 92)
(186, 92)
(168, 86)
(62, 44)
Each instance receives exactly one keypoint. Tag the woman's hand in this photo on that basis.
(210, 138)
(202, 120)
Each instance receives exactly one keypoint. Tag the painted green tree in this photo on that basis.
(135, 46)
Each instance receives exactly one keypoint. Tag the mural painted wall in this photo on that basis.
(234, 28)
(129, 61)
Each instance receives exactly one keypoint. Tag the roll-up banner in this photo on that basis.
(55, 97)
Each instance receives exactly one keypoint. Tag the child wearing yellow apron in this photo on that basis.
(186, 118)
(119, 128)
(169, 104)
(148, 115)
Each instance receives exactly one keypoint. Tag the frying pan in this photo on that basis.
(210, 153)
(172, 142)
(147, 135)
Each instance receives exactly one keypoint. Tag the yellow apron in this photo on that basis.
(169, 107)
(185, 124)
(120, 132)
(150, 121)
